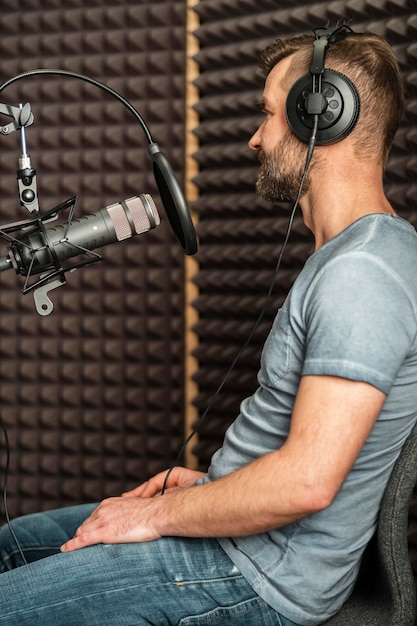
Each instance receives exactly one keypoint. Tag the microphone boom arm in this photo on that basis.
(172, 197)
(170, 192)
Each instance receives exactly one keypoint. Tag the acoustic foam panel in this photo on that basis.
(92, 394)
(240, 234)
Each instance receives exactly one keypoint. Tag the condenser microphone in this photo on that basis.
(41, 249)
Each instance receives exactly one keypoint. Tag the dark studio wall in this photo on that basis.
(92, 394)
(240, 234)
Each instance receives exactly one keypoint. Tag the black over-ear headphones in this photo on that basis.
(326, 93)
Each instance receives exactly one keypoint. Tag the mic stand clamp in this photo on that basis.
(43, 304)
(21, 115)
(28, 196)
(26, 175)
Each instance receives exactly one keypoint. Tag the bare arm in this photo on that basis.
(331, 420)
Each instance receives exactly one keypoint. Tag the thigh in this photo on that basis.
(252, 612)
(160, 582)
(39, 535)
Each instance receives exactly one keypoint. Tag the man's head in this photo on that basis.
(369, 63)
(281, 154)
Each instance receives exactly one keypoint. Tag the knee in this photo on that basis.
(7, 548)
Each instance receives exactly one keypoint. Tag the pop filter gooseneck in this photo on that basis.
(171, 195)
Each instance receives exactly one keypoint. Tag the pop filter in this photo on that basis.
(173, 200)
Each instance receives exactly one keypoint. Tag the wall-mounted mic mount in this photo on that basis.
(35, 249)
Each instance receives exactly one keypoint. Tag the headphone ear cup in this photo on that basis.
(338, 119)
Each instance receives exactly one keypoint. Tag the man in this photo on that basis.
(274, 532)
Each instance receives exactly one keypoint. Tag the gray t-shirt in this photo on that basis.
(352, 312)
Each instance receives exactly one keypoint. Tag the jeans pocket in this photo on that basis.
(253, 612)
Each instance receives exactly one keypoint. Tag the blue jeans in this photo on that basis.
(171, 581)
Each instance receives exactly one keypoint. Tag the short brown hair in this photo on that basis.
(368, 60)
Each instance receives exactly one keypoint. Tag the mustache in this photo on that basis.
(261, 156)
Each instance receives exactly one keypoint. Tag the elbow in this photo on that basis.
(323, 499)
(317, 497)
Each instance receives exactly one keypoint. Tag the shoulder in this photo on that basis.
(377, 253)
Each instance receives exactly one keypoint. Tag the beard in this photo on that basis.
(281, 171)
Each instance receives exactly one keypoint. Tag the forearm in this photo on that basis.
(243, 503)
(331, 420)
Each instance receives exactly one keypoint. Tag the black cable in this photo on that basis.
(87, 79)
(310, 150)
(5, 478)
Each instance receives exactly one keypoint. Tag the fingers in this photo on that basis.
(136, 492)
(77, 542)
(178, 477)
(117, 520)
(81, 539)
(146, 490)
(150, 488)
(89, 533)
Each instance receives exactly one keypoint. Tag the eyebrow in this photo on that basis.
(265, 103)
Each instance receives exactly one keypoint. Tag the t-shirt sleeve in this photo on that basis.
(360, 321)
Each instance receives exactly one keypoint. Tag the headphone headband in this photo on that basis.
(324, 39)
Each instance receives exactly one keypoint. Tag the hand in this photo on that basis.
(133, 516)
(179, 477)
(117, 520)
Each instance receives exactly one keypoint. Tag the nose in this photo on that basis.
(254, 142)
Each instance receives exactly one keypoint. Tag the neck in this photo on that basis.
(340, 196)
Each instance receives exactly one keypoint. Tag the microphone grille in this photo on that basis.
(133, 216)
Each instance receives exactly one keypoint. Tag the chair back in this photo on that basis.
(385, 592)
